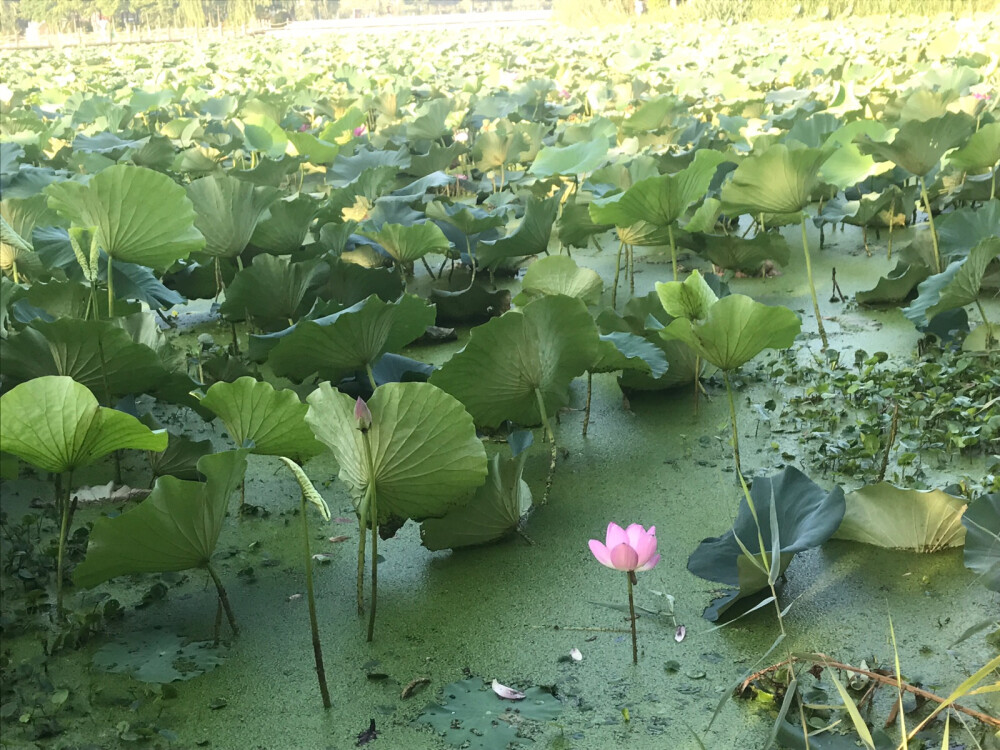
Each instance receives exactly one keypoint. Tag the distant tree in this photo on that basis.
(192, 13)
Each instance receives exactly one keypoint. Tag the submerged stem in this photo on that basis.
(812, 286)
(631, 617)
(224, 599)
(313, 622)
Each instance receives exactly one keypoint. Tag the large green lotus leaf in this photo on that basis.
(889, 516)
(806, 515)
(424, 450)
(286, 225)
(627, 351)
(474, 302)
(736, 330)
(263, 134)
(663, 200)
(530, 238)
(409, 243)
(228, 211)
(268, 172)
(895, 286)
(981, 152)
(609, 211)
(429, 123)
(541, 347)
(740, 254)
(469, 220)
(141, 216)
(559, 274)
(575, 226)
(349, 340)
(313, 149)
(77, 349)
(273, 421)
(779, 180)
(175, 528)
(491, 514)
(961, 230)
(689, 299)
(56, 424)
(918, 145)
(437, 159)
(982, 539)
(272, 291)
(654, 114)
(350, 283)
(580, 158)
(956, 286)
(847, 166)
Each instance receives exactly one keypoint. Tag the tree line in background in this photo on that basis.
(75, 15)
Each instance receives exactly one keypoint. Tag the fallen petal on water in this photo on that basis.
(680, 633)
(505, 692)
(575, 654)
(336, 539)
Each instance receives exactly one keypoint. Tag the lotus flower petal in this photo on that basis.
(616, 535)
(623, 557)
(508, 693)
(601, 553)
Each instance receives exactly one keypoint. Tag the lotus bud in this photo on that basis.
(362, 414)
(360, 131)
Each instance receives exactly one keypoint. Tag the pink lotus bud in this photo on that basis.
(564, 93)
(303, 127)
(360, 131)
(362, 414)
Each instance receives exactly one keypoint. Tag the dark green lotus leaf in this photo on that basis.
(490, 515)
(425, 456)
(982, 539)
(313, 149)
(738, 254)
(779, 181)
(228, 211)
(181, 456)
(77, 348)
(65, 299)
(961, 230)
(106, 143)
(469, 220)
(10, 157)
(473, 303)
(580, 158)
(736, 329)
(982, 151)
(350, 283)
(627, 351)
(541, 347)
(437, 159)
(263, 134)
(663, 200)
(268, 172)
(347, 169)
(654, 115)
(407, 244)
(350, 340)
(889, 516)
(267, 421)
(919, 145)
(141, 216)
(395, 368)
(286, 225)
(272, 291)
(806, 515)
(24, 214)
(429, 121)
(176, 528)
(958, 285)
(56, 424)
(559, 274)
(575, 226)
(472, 716)
(530, 238)
(896, 285)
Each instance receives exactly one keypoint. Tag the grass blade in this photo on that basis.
(852, 711)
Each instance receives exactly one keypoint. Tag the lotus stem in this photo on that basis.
(371, 613)
(631, 616)
(892, 220)
(618, 269)
(111, 290)
(812, 286)
(930, 220)
(990, 338)
(586, 411)
(371, 377)
(552, 446)
(732, 419)
(673, 249)
(224, 598)
(362, 537)
(631, 270)
(63, 506)
(313, 622)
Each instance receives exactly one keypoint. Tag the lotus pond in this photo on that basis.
(323, 362)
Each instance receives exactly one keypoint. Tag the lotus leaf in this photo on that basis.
(918, 145)
(958, 285)
(806, 516)
(176, 528)
(349, 340)
(559, 274)
(896, 285)
(262, 419)
(263, 134)
(409, 243)
(982, 151)
(627, 351)
(284, 229)
(350, 283)
(530, 238)
(689, 299)
(736, 330)
(889, 516)
(513, 360)
(141, 216)
(272, 291)
(56, 424)
(425, 455)
(982, 539)
(228, 211)
(779, 180)
(580, 158)
(745, 255)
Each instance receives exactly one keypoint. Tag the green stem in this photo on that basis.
(224, 599)
(313, 622)
(552, 446)
(362, 538)
(812, 286)
(371, 376)
(630, 250)
(111, 290)
(369, 510)
(986, 322)
(673, 249)
(930, 220)
(631, 617)
(732, 419)
(618, 270)
(63, 505)
(371, 613)
(892, 220)
(586, 411)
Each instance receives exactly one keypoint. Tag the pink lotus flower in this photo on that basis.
(631, 549)
(360, 131)
(981, 97)
(564, 93)
(303, 127)
(362, 414)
